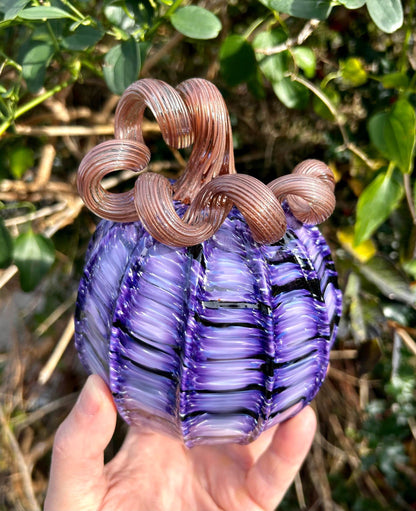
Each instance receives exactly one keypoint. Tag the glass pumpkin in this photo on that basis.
(213, 342)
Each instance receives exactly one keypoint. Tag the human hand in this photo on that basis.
(152, 472)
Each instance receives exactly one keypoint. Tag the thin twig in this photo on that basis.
(345, 377)
(59, 131)
(35, 215)
(299, 492)
(343, 354)
(39, 450)
(306, 31)
(7, 274)
(337, 453)
(56, 314)
(19, 459)
(78, 131)
(21, 422)
(339, 120)
(410, 343)
(412, 425)
(49, 367)
(317, 472)
(364, 392)
(44, 170)
(152, 60)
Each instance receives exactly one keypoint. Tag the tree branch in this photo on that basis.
(293, 41)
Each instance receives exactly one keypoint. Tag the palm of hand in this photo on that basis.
(152, 472)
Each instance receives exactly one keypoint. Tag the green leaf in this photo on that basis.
(393, 133)
(13, 7)
(410, 267)
(6, 246)
(83, 38)
(274, 66)
(375, 205)
(117, 16)
(20, 160)
(256, 87)
(40, 13)
(395, 81)
(353, 72)
(196, 22)
(353, 4)
(35, 57)
(291, 94)
(34, 254)
(305, 59)
(392, 283)
(141, 12)
(237, 60)
(122, 65)
(309, 9)
(386, 14)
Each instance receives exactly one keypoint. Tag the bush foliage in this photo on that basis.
(333, 79)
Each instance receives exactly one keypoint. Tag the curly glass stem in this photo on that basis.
(195, 113)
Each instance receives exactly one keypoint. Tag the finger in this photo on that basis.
(268, 480)
(77, 479)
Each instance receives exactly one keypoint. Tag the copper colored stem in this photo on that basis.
(195, 113)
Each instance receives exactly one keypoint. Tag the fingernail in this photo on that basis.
(89, 400)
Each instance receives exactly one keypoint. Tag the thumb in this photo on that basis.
(77, 479)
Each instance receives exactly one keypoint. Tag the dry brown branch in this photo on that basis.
(81, 112)
(18, 458)
(21, 422)
(152, 60)
(299, 492)
(412, 425)
(45, 166)
(306, 31)
(58, 109)
(410, 343)
(78, 131)
(343, 354)
(35, 215)
(60, 131)
(343, 376)
(319, 478)
(364, 392)
(104, 115)
(49, 367)
(56, 314)
(7, 274)
(72, 145)
(339, 455)
(346, 444)
(39, 450)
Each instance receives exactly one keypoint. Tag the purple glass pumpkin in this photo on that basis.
(212, 343)
(203, 325)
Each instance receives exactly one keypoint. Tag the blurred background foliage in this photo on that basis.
(331, 79)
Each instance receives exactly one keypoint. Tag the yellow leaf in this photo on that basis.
(363, 252)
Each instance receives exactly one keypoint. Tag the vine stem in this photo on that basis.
(167, 14)
(74, 9)
(338, 119)
(32, 104)
(409, 196)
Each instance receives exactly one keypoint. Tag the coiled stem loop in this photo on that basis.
(195, 112)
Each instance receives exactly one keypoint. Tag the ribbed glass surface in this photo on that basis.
(212, 343)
